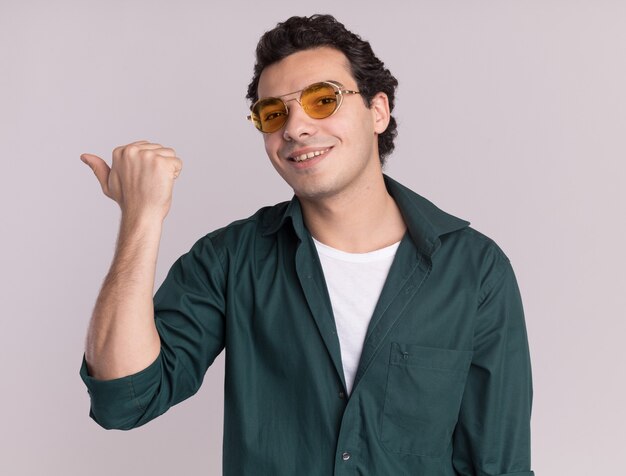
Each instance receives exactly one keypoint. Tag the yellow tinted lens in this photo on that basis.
(269, 114)
(319, 100)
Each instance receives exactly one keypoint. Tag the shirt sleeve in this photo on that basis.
(189, 315)
(492, 437)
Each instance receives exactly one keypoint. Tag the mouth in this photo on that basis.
(308, 155)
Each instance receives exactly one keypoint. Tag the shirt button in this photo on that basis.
(342, 395)
(345, 456)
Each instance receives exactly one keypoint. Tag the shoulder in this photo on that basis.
(489, 258)
(245, 231)
(473, 241)
(473, 261)
(450, 241)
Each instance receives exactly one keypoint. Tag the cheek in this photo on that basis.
(357, 130)
(271, 145)
(359, 123)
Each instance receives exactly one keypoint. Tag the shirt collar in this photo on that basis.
(425, 222)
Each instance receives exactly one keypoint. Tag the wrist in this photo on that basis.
(141, 229)
(145, 220)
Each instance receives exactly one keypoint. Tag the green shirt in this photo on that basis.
(443, 386)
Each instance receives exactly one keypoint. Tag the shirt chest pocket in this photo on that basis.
(422, 399)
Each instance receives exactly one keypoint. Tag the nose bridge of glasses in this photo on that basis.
(295, 98)
(298, 120)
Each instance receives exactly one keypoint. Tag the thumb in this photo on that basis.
(100, 169)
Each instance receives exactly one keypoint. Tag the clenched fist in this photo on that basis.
(140, 179)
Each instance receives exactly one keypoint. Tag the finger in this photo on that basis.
(100, 169)
(134, 147)
(166, 152)
(177, 166)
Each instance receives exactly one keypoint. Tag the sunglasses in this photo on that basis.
(319, 101)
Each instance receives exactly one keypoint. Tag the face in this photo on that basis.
(344, 146)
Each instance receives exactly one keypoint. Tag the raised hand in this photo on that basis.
(140, 179)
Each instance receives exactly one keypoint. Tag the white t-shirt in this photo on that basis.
(354, 281)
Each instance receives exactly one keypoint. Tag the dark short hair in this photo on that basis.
(304, 33)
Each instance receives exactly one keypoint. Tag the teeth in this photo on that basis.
(310, 155)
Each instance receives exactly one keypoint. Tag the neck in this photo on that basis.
(363, 219)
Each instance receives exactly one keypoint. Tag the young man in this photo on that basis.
(366, 331)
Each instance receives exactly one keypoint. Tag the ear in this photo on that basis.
(379, 106)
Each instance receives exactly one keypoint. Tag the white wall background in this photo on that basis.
(512, 114)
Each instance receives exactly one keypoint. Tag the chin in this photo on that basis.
(314, 191)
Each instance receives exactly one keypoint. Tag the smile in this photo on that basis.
(307, 156)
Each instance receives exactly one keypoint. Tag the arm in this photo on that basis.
(493, 432)
(189, 310)
(122, 338)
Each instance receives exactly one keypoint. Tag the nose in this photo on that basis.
(299, 124)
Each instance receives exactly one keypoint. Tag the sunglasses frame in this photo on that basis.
(337, 87)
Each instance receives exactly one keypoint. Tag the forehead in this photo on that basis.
(300, 69)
